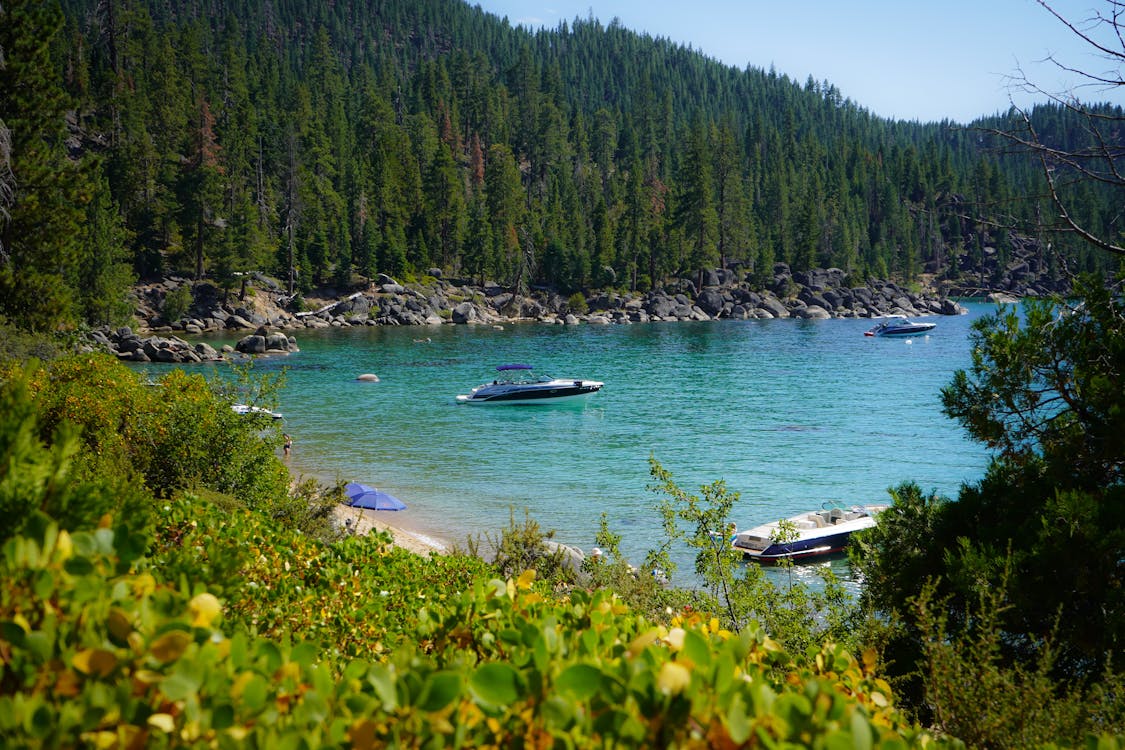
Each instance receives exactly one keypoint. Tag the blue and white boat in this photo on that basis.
(813, 534)
(897, 325)
(516, 384)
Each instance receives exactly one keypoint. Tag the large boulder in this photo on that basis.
(277, 342)
(252, 344)
(950, 307)
(238, 322)
(464, 313)
(661, 306)
(812, 312)
(773, 306)
(355, 305)
(711, 301)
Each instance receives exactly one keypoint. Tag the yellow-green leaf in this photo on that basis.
(94, 661)
(170, 646)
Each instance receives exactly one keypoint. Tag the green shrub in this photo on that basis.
(576, 304)
(176, 303)
(17, 345)
(975, 696)
(46, 466)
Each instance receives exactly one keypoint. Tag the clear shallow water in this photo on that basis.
(789, 413)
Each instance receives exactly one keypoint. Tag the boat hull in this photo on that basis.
(546, 393)
(913, 331)
(901, 328)
(818, 534)
(807, 549)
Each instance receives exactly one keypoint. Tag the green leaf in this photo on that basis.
(8, 719)
(861, 732)
(42, 722)
(222, 716)
(496, 683)
(305, 654)
(84, 543)
(738, 721)
(79, 566)
(439, 690)
(697, 649)
(254, 693)
(179, 686)
(12, 633)
(579, 681)
(270, 653)
(44, 584)
(238, 651)
(558, 711)
(383, 681)
(39, 645)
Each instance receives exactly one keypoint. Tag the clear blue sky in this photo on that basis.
(906, 59)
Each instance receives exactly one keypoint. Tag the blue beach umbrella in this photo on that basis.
(366, 496)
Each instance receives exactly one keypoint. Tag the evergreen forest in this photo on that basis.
(323, 143)
(168, 584)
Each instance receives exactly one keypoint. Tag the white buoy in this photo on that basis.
(367, 377)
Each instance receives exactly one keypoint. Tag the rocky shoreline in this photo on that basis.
(263, 308)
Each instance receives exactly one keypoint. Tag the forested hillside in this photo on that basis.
(323, 141)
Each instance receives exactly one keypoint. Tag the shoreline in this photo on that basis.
(362, 521)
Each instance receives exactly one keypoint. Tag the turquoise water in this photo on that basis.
(789, 413)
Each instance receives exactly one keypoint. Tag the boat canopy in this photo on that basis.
(514, 367)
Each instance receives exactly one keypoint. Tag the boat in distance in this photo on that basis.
(817, 534)
(898, 325)
(516, 384)
(248, 410)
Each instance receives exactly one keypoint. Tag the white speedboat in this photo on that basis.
(897, 325)
(516, 384)
(813, 534)
(254, 410)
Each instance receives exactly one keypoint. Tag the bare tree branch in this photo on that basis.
(1097, 162)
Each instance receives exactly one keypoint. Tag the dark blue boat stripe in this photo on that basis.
(540, 394)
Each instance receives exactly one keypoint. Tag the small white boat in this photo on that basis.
(517, 385)
(897, 325)
(818, 533)
(251, 410)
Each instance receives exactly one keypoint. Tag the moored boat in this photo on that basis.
(812, 534)
(517, 384)
(247, 410)
(898, 325)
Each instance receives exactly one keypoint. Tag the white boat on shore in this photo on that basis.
(517, 385)
(817, 533)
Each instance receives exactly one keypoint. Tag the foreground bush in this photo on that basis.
(95, 657)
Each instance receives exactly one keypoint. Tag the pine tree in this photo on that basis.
(104, 276)
(40, 235)
(696, 216)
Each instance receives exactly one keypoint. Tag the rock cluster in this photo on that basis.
(1023, 270)
(212, 310)
(817, 294)
(263, 341)
(132, 347)
(821, 293)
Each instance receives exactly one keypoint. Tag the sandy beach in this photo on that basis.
(362, 521)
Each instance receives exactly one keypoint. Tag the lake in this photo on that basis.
(790, 413)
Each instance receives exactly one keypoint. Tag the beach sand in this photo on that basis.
(363, 521)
